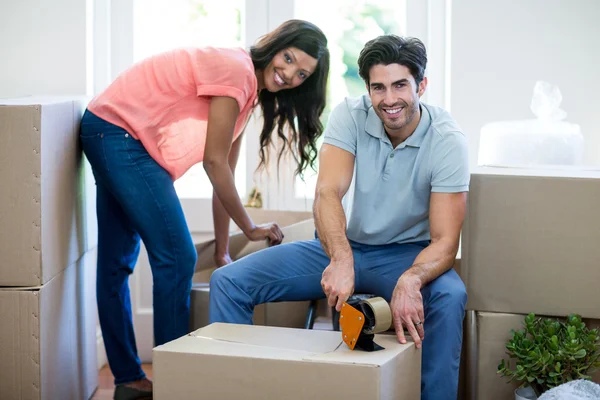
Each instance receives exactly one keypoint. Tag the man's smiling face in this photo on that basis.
(395, 95)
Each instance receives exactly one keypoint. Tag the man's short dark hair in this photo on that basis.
(392, 49)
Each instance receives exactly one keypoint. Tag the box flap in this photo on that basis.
(193, 345)
(344, 355)
(302, 340)
(254, 341)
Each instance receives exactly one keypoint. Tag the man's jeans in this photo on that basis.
(136, 199)
(292, 272)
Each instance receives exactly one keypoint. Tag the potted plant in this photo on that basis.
(549, 352)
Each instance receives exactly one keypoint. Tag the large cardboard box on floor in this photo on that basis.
(226, 361)
(48, 336)
(486, 336)
(295, 226)
(530, 237)
(42, 212)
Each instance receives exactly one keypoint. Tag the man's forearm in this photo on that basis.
(330, 222)
(432, 262)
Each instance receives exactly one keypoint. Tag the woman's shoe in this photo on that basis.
(123, 392)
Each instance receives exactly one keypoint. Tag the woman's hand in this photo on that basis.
(222, 259)
(269, 231)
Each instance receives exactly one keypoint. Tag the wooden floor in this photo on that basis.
(106, 385)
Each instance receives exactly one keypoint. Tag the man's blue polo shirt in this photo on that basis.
(389, 196)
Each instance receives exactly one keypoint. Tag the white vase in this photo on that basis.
(525, 393)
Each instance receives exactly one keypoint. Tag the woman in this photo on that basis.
(153, 123)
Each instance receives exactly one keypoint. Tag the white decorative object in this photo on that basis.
(544, 141)
(574, 390)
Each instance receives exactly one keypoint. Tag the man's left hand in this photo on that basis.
(407, 309)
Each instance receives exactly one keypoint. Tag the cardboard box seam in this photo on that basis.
(39, 287)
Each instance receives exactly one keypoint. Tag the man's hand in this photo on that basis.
(407, 309)
(338, 283)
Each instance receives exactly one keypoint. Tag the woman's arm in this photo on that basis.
(220, 216)
(221, 123)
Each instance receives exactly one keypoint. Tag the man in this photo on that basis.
(410, 165)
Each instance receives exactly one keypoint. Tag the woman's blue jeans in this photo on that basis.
(136, 199)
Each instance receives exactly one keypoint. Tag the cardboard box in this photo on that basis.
(527, 238)
(224, 361)
(295, 226)
(48, 336)
(486, 336)
(42, 216)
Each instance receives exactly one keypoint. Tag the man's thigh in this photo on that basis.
(379, 267)
(287, 272)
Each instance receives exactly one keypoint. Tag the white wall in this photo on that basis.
(43, 47)
(500, 48)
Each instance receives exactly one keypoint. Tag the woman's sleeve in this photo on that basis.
(225, 73)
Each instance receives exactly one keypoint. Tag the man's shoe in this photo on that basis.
(123, 392)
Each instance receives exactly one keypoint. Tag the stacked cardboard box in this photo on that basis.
(295, 226)
(47, 257)
(529, 245)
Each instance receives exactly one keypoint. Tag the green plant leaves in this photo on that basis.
(549, 352)
(580, 354)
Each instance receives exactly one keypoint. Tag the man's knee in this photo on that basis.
(449, 291)
(218, 279)
(221, 279)
(458, 293)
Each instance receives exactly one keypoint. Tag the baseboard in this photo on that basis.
(102, 360)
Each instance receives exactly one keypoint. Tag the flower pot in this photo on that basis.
(525, 393)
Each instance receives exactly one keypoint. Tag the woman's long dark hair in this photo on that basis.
(302, 105)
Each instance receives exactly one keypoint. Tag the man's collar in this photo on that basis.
(374, 127)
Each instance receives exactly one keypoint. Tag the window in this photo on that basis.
(161, 25)
(348, 25)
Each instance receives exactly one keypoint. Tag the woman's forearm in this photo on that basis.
(221, 223)
(223, 183)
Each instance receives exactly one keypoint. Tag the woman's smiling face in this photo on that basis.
(288, 69)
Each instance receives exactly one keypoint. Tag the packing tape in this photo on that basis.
(382, 313)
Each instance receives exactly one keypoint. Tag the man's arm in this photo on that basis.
(336, 167)
(220, 216)
(446, 214)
